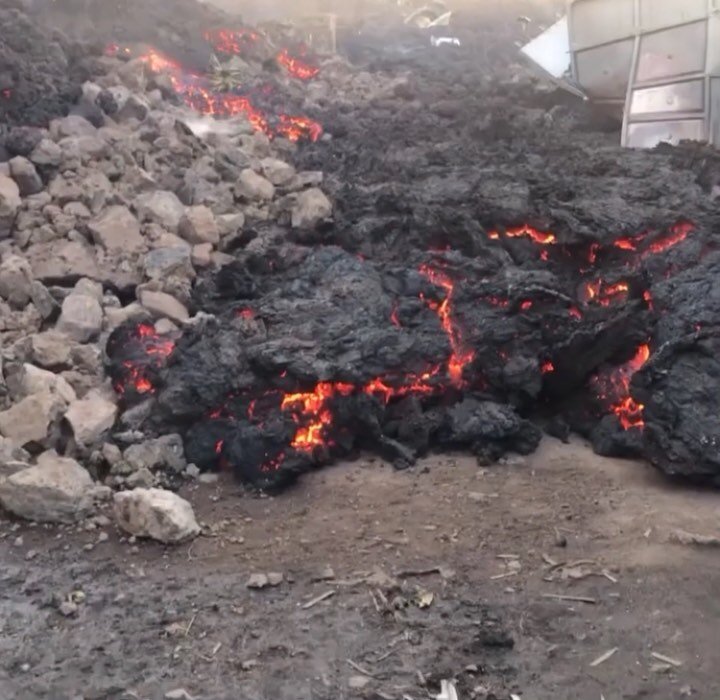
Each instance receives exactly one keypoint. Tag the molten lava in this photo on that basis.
(153, 351)
(460, 356)
(525, 231)
(613, 389)
(296, 66)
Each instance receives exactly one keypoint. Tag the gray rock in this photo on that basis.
(111, 453)
(257, 581)
(202, 255)
(277, 171)
(162, 263)
(29, 420)
(230, 224)
(275, 579)
(72, 125)
(311, 208)
(15, 281)
(142, 478)
(135, 107)
(155, 513)
(160, 304)
(34, 380)
(90, 288)
(57, 489)
(116, 229)
(46, 153)
(116, 317)
(9, 204)
(25, 176)
(51, 349)
(43, 300)
(178, 694)
(165, 326)
(83, 148)
(10, 451)
(81, 318)
(163, 453)
(253, 187)
(91, 417)
(198, 226)
(162, 207)
(62, 262)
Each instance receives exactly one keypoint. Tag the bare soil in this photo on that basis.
(156, 619)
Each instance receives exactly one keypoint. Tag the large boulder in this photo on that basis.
(198, 226)
(25, 176)
(277, 171)
(62, 262)
(253, 187)
(34, 380)
(56, 489)
(155, 513)
(15, 281)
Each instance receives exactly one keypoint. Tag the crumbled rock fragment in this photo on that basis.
(9, 205)
(34, 380)
(28, 420)
(155, 513)
(311, 208)
(116, 229)
(165, 452)
(46, 153)
(91, 417)
(277, 171)
(253, 187)
(25, 176)
(56, 489)
(15, 281)
(198, 226)
(81, 317)
(161, 207)
(160, 304)
(51, 349)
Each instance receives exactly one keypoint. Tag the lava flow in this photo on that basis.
(613, 389)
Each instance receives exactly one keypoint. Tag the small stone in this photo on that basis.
(198, 226)
(9, 205)
(72, 125)
(560, 540)
(160, 304)
(161, 207)
(91, 417)
(51, 349)
(311, 208)
(25, 176)
(81, 318)
(57, 489)
(47, 152)
(116, 229)
(258, 581)
(277, 171)
(178, 694)
(103, 537)
(56, 261)
(202, 255)
(15, 281)
(275, 579)
(162, 263)
(208, 478)
(31, 554)
(193, 471)
(42, 300)
(358, 682)
(142, 478)
(67, 608)
(28, 420)
(165, 326)
(18, 542)
(34, 380)
(155, 513)
(253, 187)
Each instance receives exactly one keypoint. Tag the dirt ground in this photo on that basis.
(155, 619)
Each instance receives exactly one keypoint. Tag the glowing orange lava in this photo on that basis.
(296, 66)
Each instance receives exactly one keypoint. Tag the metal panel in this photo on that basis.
(676, 97)
(595, 22)
(714, 100)
(603, 72)
(658, 14)
(672, 52)
(650, 134)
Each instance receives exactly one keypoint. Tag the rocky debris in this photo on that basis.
(9, 204)
(155, 513)
(257, 581)
(43, 301)
(198, 225)
(161, 207)
(65, 261)
(15, 281)
(56, 489)
(163, 263)
(81, 317)
(46, 153)
(91, 417)
(34, 380)
(278, 172)
(28, 421)
(253, 187)
(164, 453)
(311, 208)
(51, 349)
(26, 176)
(116, 229)
(159, 305)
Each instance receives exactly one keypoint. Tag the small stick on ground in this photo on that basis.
(604, 657)
(418, 572)
(505, 575)
(572, 598)
(312, 603)
(190, 624)
(666, 659)
(360, 669)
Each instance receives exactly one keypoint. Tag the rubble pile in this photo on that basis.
(109, 215)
